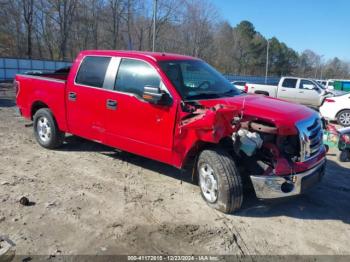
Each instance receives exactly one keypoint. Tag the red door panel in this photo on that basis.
(86, 112)
(140, 127)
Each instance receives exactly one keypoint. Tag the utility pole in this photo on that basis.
(155, 5)
(267, 60)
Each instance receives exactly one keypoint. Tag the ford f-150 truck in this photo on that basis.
(180, 111)
(299, 90)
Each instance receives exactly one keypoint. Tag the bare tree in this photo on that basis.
(28, 15)
(117, 9)
(65, 11)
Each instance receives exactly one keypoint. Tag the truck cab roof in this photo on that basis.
(155, 56)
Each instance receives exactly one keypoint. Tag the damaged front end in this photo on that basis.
(278, 164)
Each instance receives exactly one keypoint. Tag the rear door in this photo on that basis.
(85, 98)
(308, 93)
(287, 89)
(135, 125)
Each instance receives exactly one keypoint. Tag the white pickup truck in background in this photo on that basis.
(299, 90)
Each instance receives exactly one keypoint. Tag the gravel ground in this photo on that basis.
(90, 199)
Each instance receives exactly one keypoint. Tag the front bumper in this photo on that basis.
(271, 187)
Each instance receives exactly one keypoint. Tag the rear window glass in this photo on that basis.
(289, 83)
(92, 71)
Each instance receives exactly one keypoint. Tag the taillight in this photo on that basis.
(246, 88)
(16, 87)
(328, 100)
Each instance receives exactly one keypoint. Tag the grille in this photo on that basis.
(311, 137)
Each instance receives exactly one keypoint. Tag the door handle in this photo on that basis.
(301, 92)
(111, 104)
(283, 90)
(72, 96)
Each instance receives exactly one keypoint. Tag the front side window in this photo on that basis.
(289, 83)
(195, 79)
(306, 84)
(92, 71)
(134, 75)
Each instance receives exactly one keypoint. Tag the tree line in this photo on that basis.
(59, 29)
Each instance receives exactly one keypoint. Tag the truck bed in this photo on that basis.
(46, 88)
(270, 90)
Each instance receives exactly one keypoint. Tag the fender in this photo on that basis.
(203, 127)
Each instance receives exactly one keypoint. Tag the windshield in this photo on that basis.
(195, 79)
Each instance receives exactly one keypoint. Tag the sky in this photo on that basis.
(320, 25)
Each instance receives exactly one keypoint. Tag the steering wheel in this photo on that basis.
(201, 85)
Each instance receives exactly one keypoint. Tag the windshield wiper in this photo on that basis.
(228, 92)
(212, 95)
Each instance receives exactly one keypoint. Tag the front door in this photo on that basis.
(135, 125)
(309, 93)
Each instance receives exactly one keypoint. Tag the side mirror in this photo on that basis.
(155, 95)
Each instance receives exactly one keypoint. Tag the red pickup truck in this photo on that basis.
(179, 110)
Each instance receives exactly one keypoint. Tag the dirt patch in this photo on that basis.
(91, 199)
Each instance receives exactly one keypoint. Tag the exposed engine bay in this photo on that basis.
(263, 150)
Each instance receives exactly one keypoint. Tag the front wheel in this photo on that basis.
(219, 180)
(344, 118)
(46, 130)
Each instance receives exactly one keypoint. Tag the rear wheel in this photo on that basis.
(343, 118)
(219, 180)
(46, 130)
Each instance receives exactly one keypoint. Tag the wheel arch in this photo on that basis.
(36, 106)
(342, 110)
(190, 159)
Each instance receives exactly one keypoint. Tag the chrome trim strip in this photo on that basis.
(111, 73)
(308, 148)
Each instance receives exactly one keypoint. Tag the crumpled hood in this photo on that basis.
(281, 113)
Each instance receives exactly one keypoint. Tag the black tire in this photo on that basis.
(344, 155)
(56, 137)
(229, 182)
(341, 118)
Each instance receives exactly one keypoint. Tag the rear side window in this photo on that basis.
(134, 75)
(92, 71)
(289, 83)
